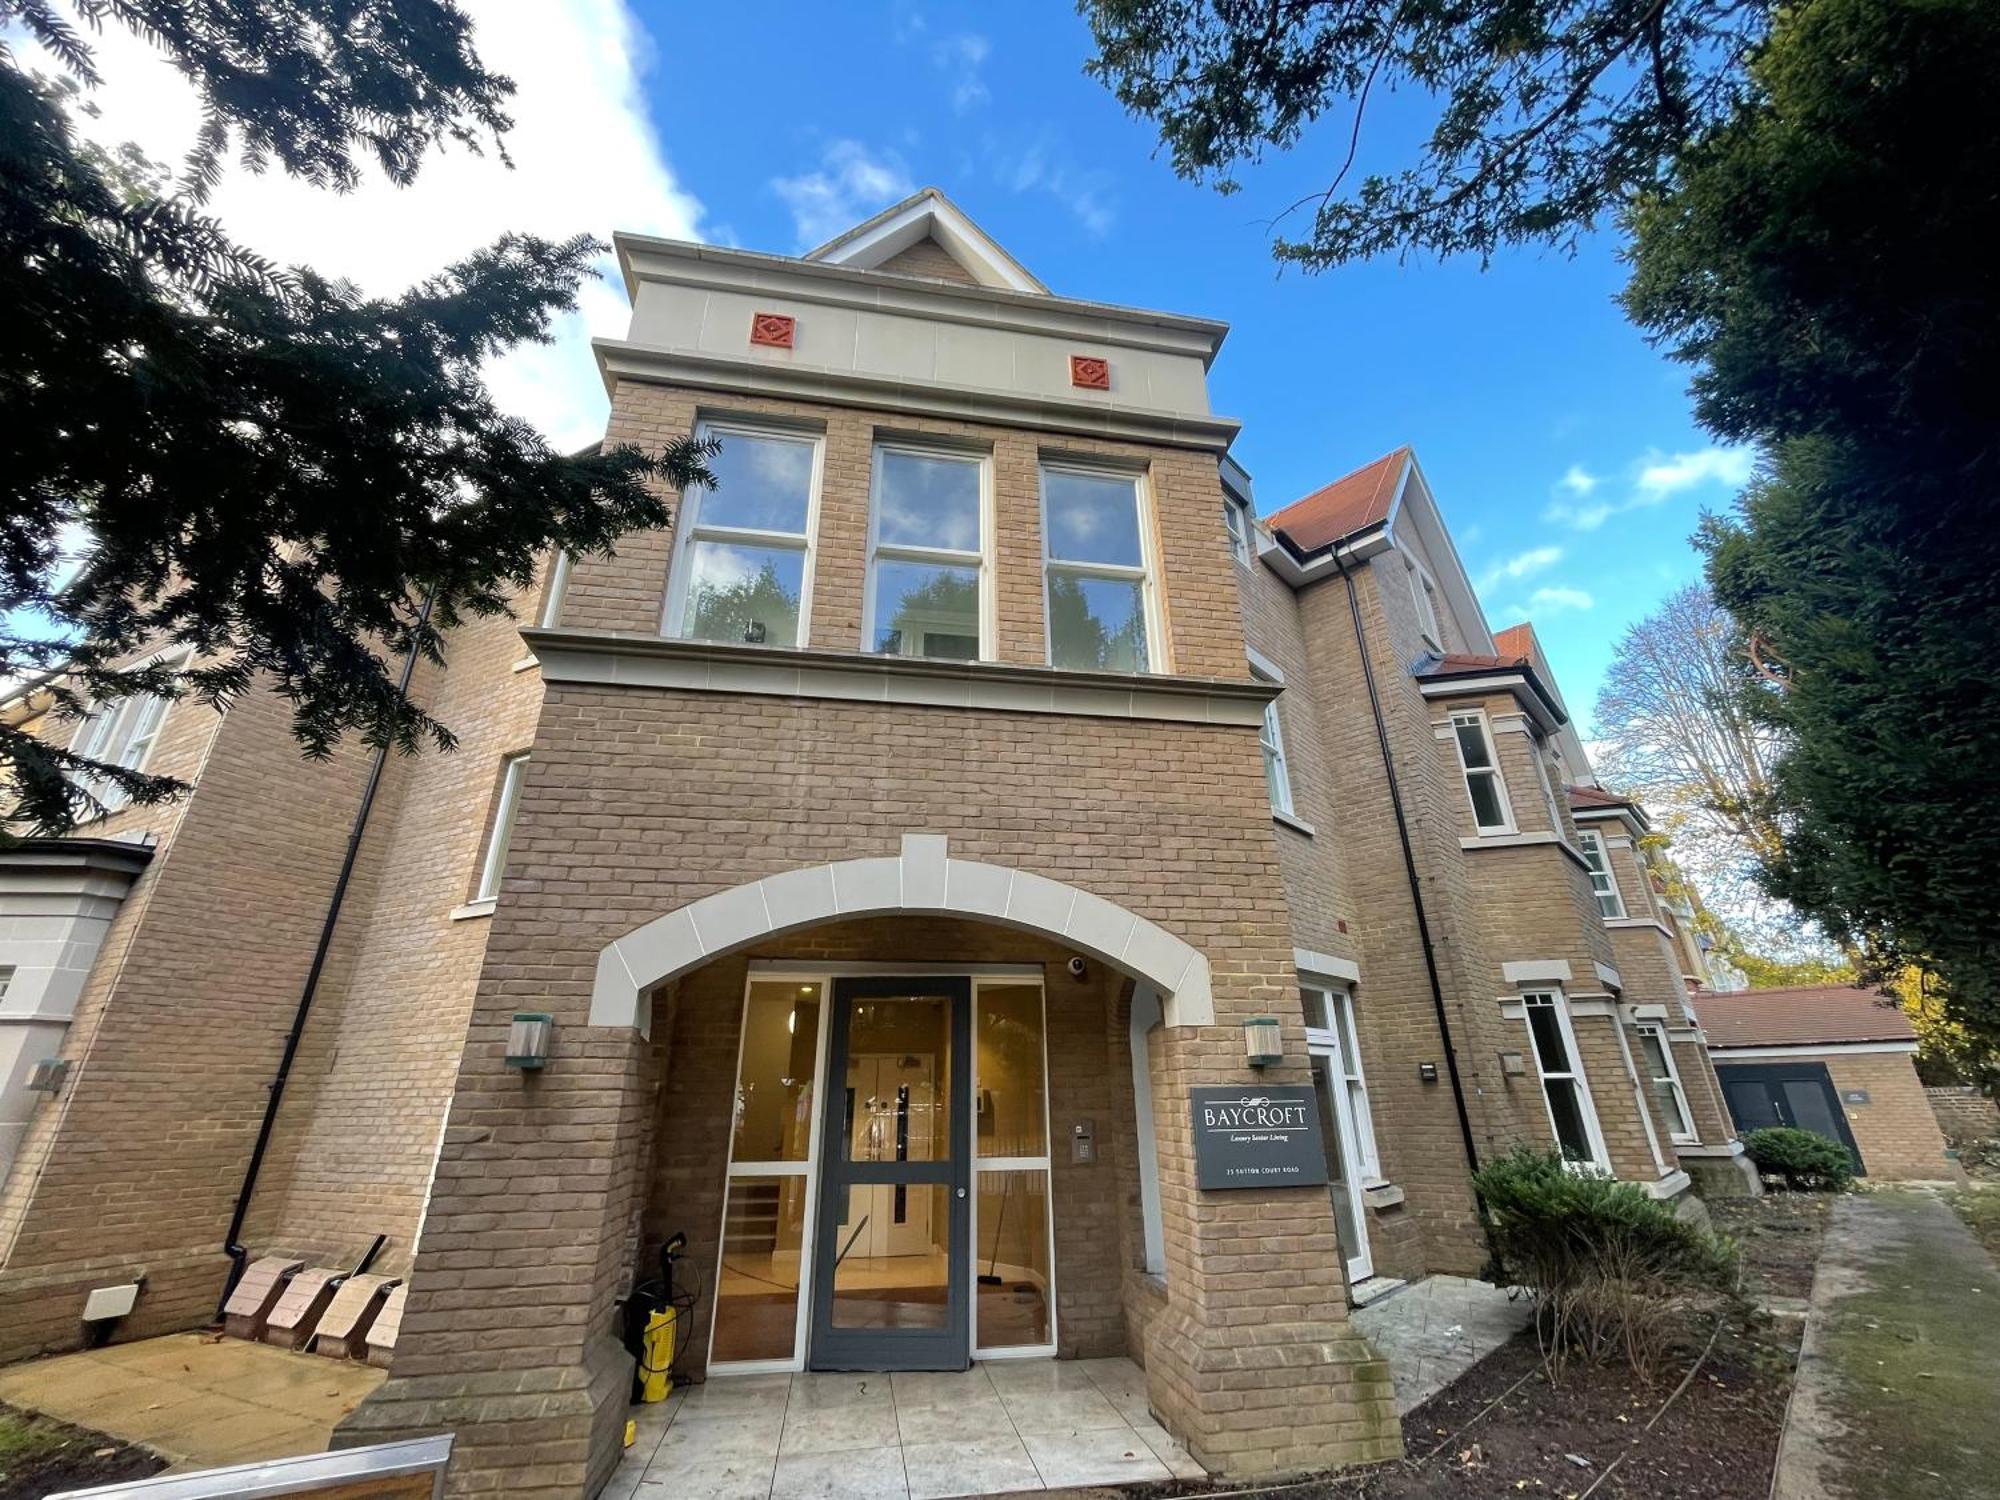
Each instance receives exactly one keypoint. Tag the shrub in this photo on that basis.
(1807, 1162)
(1612, 1270)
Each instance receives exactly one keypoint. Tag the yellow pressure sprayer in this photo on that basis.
(652, 1323)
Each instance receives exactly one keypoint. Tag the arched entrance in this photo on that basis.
(861, 1132)
(922, 879)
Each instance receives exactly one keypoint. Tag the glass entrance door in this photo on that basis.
(891, 1284)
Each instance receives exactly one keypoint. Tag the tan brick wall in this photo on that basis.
(928, 258)
(641, 801)
(1964, 1114)
(178, 1032)
(359, 1132)
(1896, 1130)
(1197, 588)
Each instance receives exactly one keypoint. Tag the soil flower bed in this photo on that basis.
(1707, 1429)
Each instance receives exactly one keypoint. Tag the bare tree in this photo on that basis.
(1674, 731)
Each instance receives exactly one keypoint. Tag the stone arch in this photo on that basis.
(921, 879)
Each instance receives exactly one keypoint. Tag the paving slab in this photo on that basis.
(1434, 1330)
(198, 1400)
(1898, 1389)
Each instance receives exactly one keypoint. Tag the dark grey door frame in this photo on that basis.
(1769, 1078)
(947, 1348)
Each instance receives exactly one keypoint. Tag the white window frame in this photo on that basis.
(1147, 573)
(981, 560)
(1271, 741)
(766, 1170)
(688, 525)
(1603, 879)
(823, 975)
(1682, 1131)
(555, 588)
(500, 832)
(1538, 749)
(1558, 1003)
(1042, 1163)
(123, 734)
(1236, 522)
(1331, 1033)
(1423, 593)
(1476, 718)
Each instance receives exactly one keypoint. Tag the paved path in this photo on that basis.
(1899, 1379)
(1434, 1331)
(198, 1401)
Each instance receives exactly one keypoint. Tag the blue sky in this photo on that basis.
(1559, 445)
(1506, 380)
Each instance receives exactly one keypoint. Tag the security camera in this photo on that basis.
(1077, 968)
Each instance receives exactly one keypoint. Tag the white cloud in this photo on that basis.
(1654, 478)
(850, 185)
(1661, 476)
(962, 56)
(1522, 565)
(586, 160)
(1578, 480)
(1553, 601)
(1043, 167)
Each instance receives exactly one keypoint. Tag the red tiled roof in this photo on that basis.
(1800, 1016)
(1346, 506)
(1595, 796)
(1516, 640)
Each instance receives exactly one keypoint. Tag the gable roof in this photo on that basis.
(1800, 1015)
(1596, 796)
(928, 214)
(1351, 503)
(1515, 640)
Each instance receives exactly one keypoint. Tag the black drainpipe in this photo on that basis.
(1410, 871)
(231, 1245)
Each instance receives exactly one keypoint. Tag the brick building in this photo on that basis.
(912, 851)
(1838, 1060)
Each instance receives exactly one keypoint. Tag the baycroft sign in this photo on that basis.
(1260, 1136)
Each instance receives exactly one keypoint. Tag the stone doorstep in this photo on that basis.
(1374, 1289)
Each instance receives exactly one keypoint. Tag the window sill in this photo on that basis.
(1380, 1195)
(1296, 824)
(526, 664)
(1523, 841)
(471, 909)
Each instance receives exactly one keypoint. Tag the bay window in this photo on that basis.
(743, 568)
(1484, 787)
(1603, 880)
(1664, 1079)
(1098, 570)
(1565, 1090)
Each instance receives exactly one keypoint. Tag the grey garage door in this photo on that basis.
(1800, 1094)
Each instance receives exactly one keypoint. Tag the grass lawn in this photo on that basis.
(1979, 1206)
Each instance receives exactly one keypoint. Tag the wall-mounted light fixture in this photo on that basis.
(1427, 1072)
(528, 1039)
(1263, 1044)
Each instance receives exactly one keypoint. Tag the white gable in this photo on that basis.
(929, 215)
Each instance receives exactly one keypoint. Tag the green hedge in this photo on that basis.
(1553, 1228)
(1807, 1162)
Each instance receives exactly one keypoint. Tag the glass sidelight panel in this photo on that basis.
(774, 1079)
(1012, 1074)
(1011, 1236)
(893, 1249)
(757, 1298)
